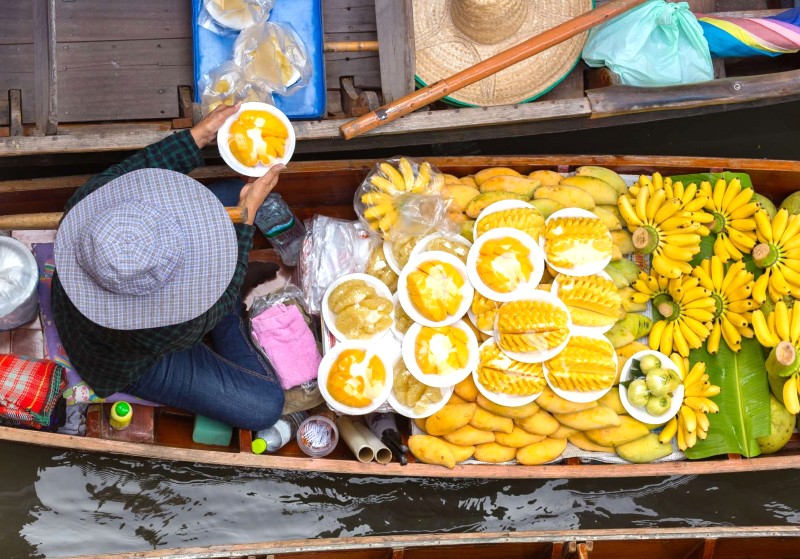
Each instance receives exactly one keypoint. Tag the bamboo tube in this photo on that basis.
(21, 222)
(381, 452)
(354, 439)
(351, 46)
(485, 68)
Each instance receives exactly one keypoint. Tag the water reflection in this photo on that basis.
(54, 504)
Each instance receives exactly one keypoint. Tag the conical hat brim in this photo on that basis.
(442, 50)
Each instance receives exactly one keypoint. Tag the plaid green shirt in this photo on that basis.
(110, 360)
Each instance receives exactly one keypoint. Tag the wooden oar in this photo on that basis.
(20, 222)
(492, 65)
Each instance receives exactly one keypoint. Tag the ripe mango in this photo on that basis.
(431, 450)
(485, 174)
(517, 185)
(541, 452)
(494, 453)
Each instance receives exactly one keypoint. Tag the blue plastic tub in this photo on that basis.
(305, 16)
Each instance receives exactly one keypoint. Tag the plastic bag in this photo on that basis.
(377, 266)
(19, 277)
(272, 56)
(226, 85)
(225, 17)
(332, 248)
(306, 395)
(401, 197)
(655, 44)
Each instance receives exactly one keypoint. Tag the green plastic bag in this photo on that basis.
(654, 44)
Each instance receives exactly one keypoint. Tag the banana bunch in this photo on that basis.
(691, 422)
(688, 314)
(778, 254)
(781, 332)
(692, 200)
(734, 223)
(665, 228)
(380, 194)
(731, 292)
(648, 287)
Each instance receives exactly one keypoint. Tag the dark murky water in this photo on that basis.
(60, 504)
(55, 504)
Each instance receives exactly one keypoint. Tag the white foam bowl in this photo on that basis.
(406, 411)
(577, 396)
(535, 257)
(500, 206)
(440, 381)
(260, 169)
(584, 269)
(542, 355)
(466, 290)
(330, 317)
(422, 245)
(330, 358)
(500, 397)
(585, 330)
(641, 413)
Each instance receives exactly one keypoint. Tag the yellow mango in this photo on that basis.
(516, 185)
(461, 452)
(466, 389)
(582, 441)
(517, 412)
(420, 422)
(431, 450)
(455, 399)
(485, 174)
(628, 430)
(518, 438)
(552, 402)
(547, 178)
(494, 453)
(459, 195)
(611, 400)
(598, 417)
(541, 452)
(449, 418)
(468, 436)
(563, 433)
(469, 180)
(451, 179)
(541, 423)
(567, 196)
(644, 449)
(488, 421)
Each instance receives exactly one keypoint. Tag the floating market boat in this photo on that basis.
(86, 77)
(327, 187)
(659, 543)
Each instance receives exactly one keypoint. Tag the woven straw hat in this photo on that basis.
(451, 35)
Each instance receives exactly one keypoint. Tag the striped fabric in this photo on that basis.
(740, 37)
(29, 389)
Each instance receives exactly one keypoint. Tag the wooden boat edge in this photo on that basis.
(352, 467)
(322, 545)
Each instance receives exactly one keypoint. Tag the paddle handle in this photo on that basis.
(20, 222)
(485, 68)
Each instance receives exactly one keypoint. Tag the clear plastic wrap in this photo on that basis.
(306, 395)
(225, 17)
(19, 276)
(332, 248)
(225, 85)
(401, 197)
(273, 57)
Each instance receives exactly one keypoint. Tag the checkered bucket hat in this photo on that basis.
(150, 248)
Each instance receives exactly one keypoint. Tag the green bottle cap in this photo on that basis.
(259, 446)
(122, 409)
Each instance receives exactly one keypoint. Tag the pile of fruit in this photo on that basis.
(562, 302)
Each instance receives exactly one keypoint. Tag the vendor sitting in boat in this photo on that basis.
(147, 263)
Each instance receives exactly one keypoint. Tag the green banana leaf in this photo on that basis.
(697, 178)
(743, 400)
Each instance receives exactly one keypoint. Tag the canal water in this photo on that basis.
(55, 503)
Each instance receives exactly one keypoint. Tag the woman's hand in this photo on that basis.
(205, 130)
(254, 193)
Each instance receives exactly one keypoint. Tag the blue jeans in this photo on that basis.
(234, 383)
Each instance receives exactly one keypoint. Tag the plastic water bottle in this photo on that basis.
(283, 229)
(270, 440)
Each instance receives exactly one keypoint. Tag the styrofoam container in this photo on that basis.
(406, 411)
(500, 398)
(641, 413)
(576, 395)
(535, 257)
(260, 169)
(466, 290)
(585, 330)
(422, 245)
(542, 355)
(330, 358)
(584, 269)
(330, 317)
(440, 381)
(19, 277)
(499, 207)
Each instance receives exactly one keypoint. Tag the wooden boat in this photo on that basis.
(327, 187)
(54, 54)
(775, 542)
